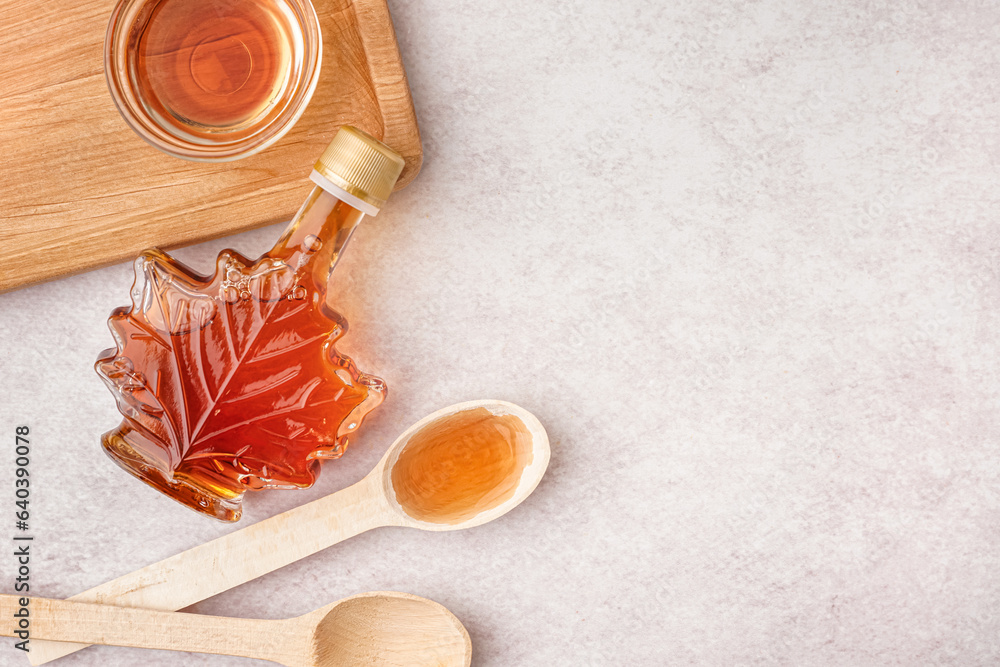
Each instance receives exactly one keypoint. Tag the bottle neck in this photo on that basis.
(313, 241)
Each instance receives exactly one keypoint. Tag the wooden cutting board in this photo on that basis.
(78, 189)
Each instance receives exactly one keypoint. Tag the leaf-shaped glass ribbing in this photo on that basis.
(232, 382)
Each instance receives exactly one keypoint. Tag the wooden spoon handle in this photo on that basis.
(141, 628)
(234, 559)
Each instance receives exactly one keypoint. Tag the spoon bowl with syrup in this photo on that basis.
(460, 467)
(465, 465)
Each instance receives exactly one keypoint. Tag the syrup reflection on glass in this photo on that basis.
(232, 381)
(212, 79)
(218, 64)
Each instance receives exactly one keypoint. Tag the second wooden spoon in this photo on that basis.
(381, 629)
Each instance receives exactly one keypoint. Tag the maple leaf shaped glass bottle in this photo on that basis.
(232, 382)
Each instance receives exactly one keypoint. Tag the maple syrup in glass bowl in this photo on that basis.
(212, 80)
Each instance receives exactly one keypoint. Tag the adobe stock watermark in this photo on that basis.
(629, 291)
(751, 164)
(877, 209)
(22, 540)
(697, 47)
(931, 331)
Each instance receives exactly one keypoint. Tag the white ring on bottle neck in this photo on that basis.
(342, 194)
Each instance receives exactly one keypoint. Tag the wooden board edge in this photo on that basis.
(122, 256)
(392, 89)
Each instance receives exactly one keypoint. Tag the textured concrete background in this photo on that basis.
(739, 258)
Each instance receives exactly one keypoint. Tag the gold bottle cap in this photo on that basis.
(361, 166)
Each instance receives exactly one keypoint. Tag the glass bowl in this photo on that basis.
(212, 80)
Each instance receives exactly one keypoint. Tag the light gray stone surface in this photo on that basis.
(739, 258)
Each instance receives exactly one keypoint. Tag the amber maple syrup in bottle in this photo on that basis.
(232, 382)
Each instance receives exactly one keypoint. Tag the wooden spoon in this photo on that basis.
(378, 629)
(239, 557)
